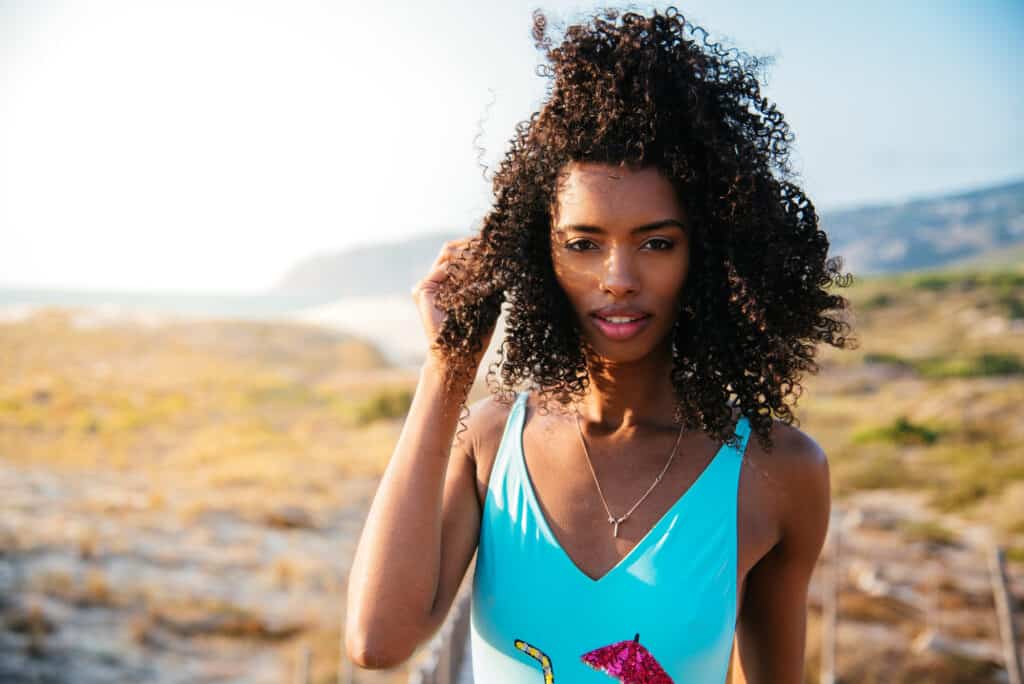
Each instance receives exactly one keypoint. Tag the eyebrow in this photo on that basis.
(647, 227)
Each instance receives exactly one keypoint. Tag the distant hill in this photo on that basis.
(1004, 258)
(385, 269)
(926, 233)
(923, 233)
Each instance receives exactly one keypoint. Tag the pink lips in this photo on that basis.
(619, 329)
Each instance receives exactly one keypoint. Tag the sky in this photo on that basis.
(208, 146)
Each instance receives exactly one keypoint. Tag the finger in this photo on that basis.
(430, 283)
(438, 272)
(456, 247)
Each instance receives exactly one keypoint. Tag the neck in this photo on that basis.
(630, 395)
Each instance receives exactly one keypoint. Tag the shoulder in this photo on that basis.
(485, 426)
(797, 456)
(775, 593)
(798, 470)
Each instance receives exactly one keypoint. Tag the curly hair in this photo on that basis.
(654, 91)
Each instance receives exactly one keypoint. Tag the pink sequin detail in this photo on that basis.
(629, 662)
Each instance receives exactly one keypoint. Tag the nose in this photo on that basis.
(620, 277)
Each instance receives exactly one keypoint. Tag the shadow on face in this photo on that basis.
(620, 250)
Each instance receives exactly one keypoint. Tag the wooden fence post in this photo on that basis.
(830, 605)
(345, 668)
(1004, 611)
(302, 670)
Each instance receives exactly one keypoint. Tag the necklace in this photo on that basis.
(611, 518)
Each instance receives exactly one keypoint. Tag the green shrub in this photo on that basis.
(1011, 304)
(883, 357)
(999, 364)
(382, 404)
(1002, 281)
(928, 531)
(879, 300)
(936, 282)
(981, 365)
(900, 431)
(1006, 280)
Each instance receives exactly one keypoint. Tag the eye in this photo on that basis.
(659, 244)
(580, 245)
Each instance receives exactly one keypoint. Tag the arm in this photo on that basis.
(423, 525)
(420, 535)
(771, 630)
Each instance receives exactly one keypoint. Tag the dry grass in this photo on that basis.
(196, 619)
(89, 587)
(179, 454)
(240, 403)
(878, 609)
(895, 667)
(32, 622)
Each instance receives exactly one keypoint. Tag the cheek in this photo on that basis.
(576, 280)
(679, 269)
(670, 281)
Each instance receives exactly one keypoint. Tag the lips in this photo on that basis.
(620, 324)
(619, 311)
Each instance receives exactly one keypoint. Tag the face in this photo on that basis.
(620, 248)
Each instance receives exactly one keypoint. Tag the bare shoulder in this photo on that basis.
(798, 470)
(485, 426)
(795, 456)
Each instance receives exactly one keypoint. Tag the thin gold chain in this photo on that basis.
(611, 518)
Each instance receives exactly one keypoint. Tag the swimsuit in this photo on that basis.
(666, 613)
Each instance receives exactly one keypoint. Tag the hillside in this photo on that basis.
(379, 270)
(928, 232)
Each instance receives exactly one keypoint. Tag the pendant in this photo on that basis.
(615, 530)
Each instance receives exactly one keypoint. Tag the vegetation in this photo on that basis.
(900, 431)
(928, 531)
(223, 396)
(1001, 281)
(231, 445)
(976, 366)
(238, 438)
(944, 351)
(387, 403)
(936, 367)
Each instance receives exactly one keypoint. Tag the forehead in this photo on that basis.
(600, 194)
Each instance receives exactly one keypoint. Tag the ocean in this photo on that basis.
(391, 322)
(242, 306)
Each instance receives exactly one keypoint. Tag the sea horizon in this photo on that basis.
(390, 322)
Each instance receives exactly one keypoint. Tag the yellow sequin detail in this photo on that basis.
(540, 657)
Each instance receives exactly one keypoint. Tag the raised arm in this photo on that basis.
(771, 632)
(422, 527)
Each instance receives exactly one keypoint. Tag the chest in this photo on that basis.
(563, 483)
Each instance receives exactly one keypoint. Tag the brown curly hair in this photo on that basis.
(637, 90)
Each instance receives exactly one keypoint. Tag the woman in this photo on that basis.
(664, 284)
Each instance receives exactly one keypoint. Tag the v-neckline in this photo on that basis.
(638, 547)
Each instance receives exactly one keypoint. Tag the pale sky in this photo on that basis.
(208, 145)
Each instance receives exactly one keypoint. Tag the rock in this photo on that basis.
(933, 641)
(289, 517)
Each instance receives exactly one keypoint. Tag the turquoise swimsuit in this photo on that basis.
(666, 613)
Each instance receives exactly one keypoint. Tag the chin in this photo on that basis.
(621, 353)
